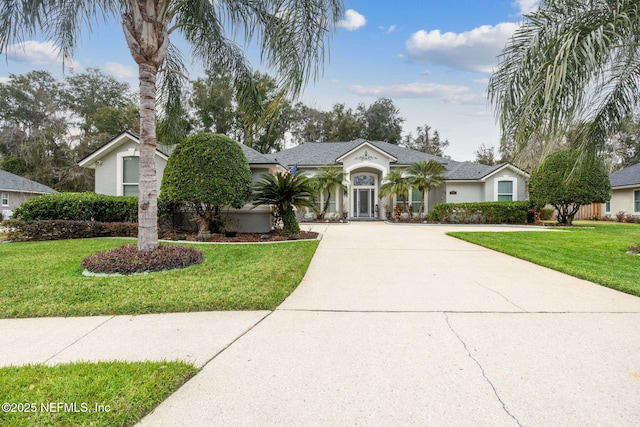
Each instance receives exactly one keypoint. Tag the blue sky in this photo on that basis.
(433, 58)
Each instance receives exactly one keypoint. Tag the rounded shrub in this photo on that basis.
(127, 260)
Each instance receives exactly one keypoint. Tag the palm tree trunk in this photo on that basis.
(147, 187)
(423, 209)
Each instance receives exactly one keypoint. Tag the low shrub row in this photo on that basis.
(19, 230)
(127, 260)
(481, 213)
(79, 207)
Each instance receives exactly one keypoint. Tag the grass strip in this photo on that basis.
(87, 394)
(594, 251)
(43, 279)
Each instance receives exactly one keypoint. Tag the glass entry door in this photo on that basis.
(364, 206)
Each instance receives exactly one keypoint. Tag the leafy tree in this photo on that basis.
(207, 172)
(396, 184)
(213, 98)
(570, 61)
(329, 179)
(426, 142)
(424, 175)
(382, 121)
(88, 93)
(346, 125)
(555, 182)
(285, 191)
(623, 148)
(291, 37)
(485, 155)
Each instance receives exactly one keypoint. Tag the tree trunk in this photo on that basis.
(147, 187)
(145, 29)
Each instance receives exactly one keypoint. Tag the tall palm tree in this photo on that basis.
(329, 179)
(396, 185)
(571, 61)
(291, 36)
(285, 191)
(424, 175)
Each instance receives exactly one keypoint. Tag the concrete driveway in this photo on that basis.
(401, 325)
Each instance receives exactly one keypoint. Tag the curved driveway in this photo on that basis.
(402, 325)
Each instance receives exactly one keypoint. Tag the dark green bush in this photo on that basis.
(128, 260)
(79, 207)
(482, 212)
(20, 230)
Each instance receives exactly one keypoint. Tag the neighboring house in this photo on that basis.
(116, 166)
(364, 163)
(15, 189)
(625, 192)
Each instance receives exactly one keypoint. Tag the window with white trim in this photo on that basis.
(505, 191)
(130, 170)
(607, 206)
(636, 201)
(5, 199)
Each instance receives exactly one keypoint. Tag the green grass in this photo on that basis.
(44, 279)
(597, 253)
(100, 394)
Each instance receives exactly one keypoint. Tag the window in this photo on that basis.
(130, 168)
(364, 180)
(607, 206)
(416, 199)
(636, 201)
(5, 199)
(505, 191)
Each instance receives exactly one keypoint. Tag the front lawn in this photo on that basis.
(45, 279)
(597, 251)
(87, 394)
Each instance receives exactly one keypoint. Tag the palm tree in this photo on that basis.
(572, 61)
(396, 184)
(285, 191)
(424, 175)
(329, 179)
(291, 37)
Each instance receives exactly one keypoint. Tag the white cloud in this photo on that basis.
(474, 50)
(38, 53)
(425, 72)
(387, 30)
(119, 71)
(482, 81)
(451, 94)
(353, 20)
(5, 80)
(526, 6)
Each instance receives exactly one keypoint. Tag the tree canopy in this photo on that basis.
(556, 182)
(571, 61)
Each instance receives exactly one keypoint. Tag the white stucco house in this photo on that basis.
(364, 163)
(625, 192)
(14, 190)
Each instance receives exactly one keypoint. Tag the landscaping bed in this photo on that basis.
(273, 236)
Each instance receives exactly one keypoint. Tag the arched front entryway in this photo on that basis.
(363, 192)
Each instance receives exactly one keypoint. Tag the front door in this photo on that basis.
(364, 206)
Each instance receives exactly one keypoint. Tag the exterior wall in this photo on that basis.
(519, 186)
(622, 200)
(16, 198)
(109, 172)
(465, 192)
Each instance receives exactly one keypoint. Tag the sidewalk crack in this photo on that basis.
(484, 374)
(80, 338)
(498, 293)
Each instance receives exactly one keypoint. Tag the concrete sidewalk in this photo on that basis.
(392, 325)
(402, 325)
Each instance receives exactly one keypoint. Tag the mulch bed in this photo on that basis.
(273, 236)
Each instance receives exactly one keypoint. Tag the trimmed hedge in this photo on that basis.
(20, 231)
(79, 207)
(482, 212)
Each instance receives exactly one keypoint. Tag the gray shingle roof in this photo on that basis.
(255, 157)
(627, 176)
(11, 182)
(326, 153)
